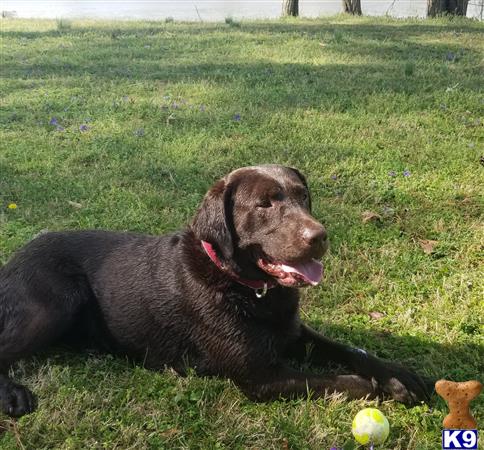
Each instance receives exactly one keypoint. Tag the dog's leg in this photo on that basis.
(15, 400)
(393, 379)
(24, 330)
(286, 383)
(28, 322)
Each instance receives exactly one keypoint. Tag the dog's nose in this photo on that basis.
(314, 235)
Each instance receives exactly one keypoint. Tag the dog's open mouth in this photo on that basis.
(293, 275)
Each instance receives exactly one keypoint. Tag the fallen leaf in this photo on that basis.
(370, 216)
(376, 315)
(427, 245)
(285, 444)
(74, 204)
(170, 432)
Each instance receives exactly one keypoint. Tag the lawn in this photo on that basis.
(124, 126)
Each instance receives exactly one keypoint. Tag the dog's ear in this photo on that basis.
(213, 221)
(303, 180)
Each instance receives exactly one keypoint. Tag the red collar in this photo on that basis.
(258, 285)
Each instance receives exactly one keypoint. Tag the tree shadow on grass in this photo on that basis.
(388, 60)
(457, 362)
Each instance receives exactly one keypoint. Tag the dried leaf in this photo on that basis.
(74, 204)
(427, 245)
(170, 432)
(376, 315)
(285, 444)
(370, 216)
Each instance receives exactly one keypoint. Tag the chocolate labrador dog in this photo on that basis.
(220, 297)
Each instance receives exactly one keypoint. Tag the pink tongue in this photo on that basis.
(312, 271)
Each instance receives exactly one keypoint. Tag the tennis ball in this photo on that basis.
(370, 426)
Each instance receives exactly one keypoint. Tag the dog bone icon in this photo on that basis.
(458, 396)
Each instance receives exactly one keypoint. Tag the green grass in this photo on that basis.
(346, 100)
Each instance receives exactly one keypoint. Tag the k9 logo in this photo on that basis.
(459, 439)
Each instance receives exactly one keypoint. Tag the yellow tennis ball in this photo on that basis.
(370, 426)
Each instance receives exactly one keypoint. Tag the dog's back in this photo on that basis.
(78, 278)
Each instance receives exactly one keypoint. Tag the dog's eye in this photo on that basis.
(269, 201)
(305, 196)
(278, 197)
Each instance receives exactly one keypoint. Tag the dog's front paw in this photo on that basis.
(403, 385)
(15, 400)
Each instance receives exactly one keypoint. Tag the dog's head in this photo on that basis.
(258, 219)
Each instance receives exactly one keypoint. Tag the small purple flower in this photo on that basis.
(139, 132)
(202, 108)
(53, 121)
(334, 177)
(83, 128)
(406, 173)
(392, 173)
(237, 117)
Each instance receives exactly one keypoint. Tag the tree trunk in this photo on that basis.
(290, 8)
(440, 7)
(435, 7)
(353, 7)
